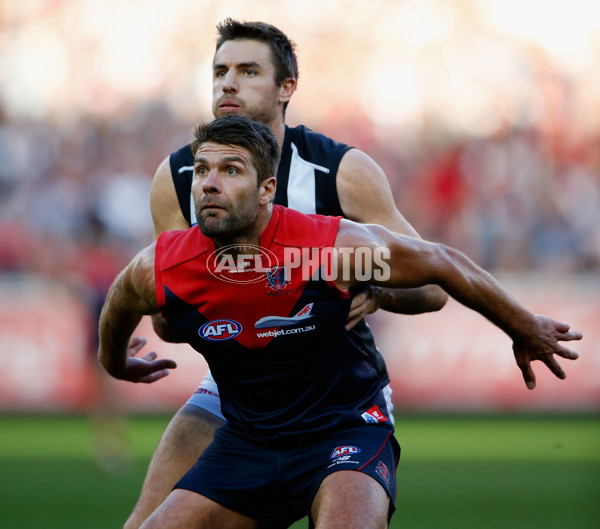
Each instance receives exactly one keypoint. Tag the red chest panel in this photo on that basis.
(250, 299)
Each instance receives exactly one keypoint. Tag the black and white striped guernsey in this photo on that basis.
(306, 181)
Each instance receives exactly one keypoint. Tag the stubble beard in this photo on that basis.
(264, 113)
(235, 223)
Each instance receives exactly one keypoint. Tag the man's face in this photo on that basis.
(244, 81)
(225, 190)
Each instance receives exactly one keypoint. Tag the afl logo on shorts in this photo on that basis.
(220, 330)
(344, 451)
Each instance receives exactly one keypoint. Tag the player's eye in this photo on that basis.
(201, 170)
(250, 73)
(232, 171)
(219, 73)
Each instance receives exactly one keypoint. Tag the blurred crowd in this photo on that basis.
(518, 193)
(522, 199)
(74, 196)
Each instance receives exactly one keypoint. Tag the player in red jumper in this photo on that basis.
(307, 430)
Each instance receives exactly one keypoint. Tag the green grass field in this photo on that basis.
(454, 473)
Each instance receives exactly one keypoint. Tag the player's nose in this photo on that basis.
(212, 182)
(230, 82)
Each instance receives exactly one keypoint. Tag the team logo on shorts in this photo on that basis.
(383, 471)
(220, 330)
(374, 416)
(344, 450)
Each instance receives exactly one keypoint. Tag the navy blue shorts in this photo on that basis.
(277, 485)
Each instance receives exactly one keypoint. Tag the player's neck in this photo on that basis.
(277, 126)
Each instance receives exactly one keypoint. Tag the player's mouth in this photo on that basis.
(211, 205)
(229, 106)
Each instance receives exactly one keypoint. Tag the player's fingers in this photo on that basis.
(157, 375)
(569, 354)
(528, 375)
(554, 366)
(570, 336)
(352, 321)
(135, 345)
(560, 326)
(164, 363)
(356, 314)
(150, 356)
(358, 300)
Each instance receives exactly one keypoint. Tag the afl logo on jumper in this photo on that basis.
(241, 264)
(220, 330)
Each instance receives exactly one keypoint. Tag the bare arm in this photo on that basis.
(166, 216)
(131, 295)
(164, 205)
(413, 262)
(366, 197)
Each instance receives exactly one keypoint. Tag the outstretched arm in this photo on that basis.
(409, 262)
(131, 295)
(365, 197)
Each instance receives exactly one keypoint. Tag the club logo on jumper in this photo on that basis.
(373, 416)
(383, 471)
(285, 321)
(343, 451)
(241, 263)
(277, 277)
(220, 330)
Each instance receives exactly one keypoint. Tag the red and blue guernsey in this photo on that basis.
(272, 334)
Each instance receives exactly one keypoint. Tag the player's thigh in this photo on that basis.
(187, 509)
(186, 436)
(350, 500)
(357, 487)
(191, 427)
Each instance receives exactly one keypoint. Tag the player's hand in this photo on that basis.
(146, 368)
(543, 344)
(364, 302)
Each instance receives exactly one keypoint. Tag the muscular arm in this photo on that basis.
(166, 216)
(413, 262)
(365, 197)
(131, 295)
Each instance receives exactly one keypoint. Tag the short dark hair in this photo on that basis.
(241, 131)
(282, 47)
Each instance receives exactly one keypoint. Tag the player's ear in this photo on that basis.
(266, 191)
(287, 89)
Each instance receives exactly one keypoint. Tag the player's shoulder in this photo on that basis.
(181, 160)
(305, 136)
(304, 230)
(180, 246)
